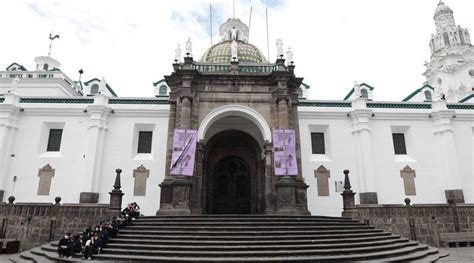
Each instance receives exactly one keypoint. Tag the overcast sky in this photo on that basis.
(383, 43)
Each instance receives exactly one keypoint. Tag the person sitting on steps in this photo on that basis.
(92, 246)
(64, 246)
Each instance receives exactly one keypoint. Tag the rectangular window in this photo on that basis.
(399, 143)
(144, 141)
(317, 143)
(54, 140)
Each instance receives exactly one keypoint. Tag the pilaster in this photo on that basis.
(8, 125)
(98, 115)
(361, 133)
(446, 154)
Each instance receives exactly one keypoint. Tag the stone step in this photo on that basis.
(252, 236)
(257, 253)
(244, 219)
(247, 228)
(25, 256)
(240, 217)
(284, 258)
(257, 232)
(250, 239)
(272, 241)
(275, 247)
(244, 223)
(431, 254)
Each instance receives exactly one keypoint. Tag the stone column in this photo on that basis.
(98, 113)
(197, 204)
(269, 183)
(176, 190)
(348, 202)
(185, 113)
(446, 149)
(115, 205)
(8, 125)
(361, 133)
(282, 113)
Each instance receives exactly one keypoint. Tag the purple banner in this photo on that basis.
(184, 150)
(284, 152)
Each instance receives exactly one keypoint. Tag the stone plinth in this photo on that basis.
(175, 193)
(291, 197)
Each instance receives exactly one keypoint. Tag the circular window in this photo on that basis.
(440, 81)
(471, 72)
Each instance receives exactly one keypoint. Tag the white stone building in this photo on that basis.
(60, 137)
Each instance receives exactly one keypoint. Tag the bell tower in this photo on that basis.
(451, 66)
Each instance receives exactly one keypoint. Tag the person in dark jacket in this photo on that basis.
(76, 244)
(86, 235)
(64, 246)
(92, 246)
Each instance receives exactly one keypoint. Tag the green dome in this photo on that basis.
(221, 53)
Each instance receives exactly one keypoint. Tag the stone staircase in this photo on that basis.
(253, 238)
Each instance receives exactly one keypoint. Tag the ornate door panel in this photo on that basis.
(232, 186)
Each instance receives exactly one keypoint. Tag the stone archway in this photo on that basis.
(233, 161)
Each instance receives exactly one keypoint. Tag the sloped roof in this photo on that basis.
(413, 94)
(352, 90)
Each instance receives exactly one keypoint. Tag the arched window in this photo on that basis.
(428, 96)
(163, 90)
(94, 89)
(461, 37)
(446, 39)
(300, 93)
(45, 67)
(364, 94)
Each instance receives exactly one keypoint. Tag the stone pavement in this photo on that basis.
(458, 254)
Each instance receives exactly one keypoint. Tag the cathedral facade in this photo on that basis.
(232, 133)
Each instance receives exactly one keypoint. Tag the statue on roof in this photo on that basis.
(279, 46)
(189, 48)
(289, 56)
(233, 34)
(102, 86)
(177, 54)
(357, 91)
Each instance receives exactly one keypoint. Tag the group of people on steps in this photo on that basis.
(92, 240)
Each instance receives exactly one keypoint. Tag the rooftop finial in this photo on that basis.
(51, 37)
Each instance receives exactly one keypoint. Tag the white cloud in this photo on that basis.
(131, 43)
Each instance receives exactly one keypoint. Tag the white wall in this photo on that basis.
(422, 155)
(30, 154)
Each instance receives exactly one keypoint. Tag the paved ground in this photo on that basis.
(459, 254)
(456, 254)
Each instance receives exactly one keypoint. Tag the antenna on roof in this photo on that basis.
(233, 8)
(250, 21)
(210, 21)
(268, 43)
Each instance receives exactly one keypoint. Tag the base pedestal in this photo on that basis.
(291, 197)
(175, 193)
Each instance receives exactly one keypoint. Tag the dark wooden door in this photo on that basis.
(232, 186)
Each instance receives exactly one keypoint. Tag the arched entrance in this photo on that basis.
(233, 174)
